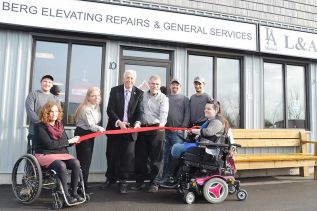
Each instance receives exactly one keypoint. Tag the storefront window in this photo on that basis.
(84, 73)
(200, 66)
(74, 67)
(50, 59)
(146, 62)
(273, 97)
(228, 89)
(296, 106)
(222, 77)
(284, 96)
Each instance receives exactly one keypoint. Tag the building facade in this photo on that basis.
(258, 58)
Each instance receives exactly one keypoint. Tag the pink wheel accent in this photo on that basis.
(216, 190)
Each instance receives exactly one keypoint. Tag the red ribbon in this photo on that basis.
(128, 130)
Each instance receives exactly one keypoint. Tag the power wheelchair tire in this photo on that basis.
(27, 187)
(242, 195)
(215, 190)
(189, 197)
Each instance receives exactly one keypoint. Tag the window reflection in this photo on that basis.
(50, 58)
(228, 89)
(273, 96)
(200, 66)
(275, 105)
(296, 96)
(144, 72)
(85, 72)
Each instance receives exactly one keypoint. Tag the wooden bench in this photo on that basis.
(258, 142)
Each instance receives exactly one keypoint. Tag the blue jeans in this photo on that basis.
(179, 149)
(171, 138)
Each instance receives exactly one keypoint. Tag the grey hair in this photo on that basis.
(155, 77)
(129, 72)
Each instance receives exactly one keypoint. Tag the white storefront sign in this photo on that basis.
(287, 42)
(100, 18)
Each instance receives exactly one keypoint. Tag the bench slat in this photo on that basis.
(268, 142)
(275, 164)
(273, 157)
(266, 133)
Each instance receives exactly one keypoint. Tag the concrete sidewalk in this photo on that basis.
(265, 193)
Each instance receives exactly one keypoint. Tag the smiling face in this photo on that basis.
(128, 80)
(94, 98)
(53, 114)
(155, 85)
(210, 112)
(175, 88)
(46, 85)
(199, 87)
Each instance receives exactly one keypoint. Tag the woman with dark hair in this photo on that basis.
(51, 151)
(215, 126)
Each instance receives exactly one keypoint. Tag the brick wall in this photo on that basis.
(293, 12)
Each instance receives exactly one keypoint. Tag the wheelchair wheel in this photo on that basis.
(189, 197)
(215, 190)
(241, 195)
(27, 179)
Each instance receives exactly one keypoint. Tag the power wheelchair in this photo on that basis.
(207, 175)
(29, 178)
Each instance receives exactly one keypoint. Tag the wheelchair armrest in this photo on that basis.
(213, 145)
(236, 145)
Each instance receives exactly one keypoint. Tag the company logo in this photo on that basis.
(270, 43)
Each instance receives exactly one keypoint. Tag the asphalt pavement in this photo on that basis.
(289, 193)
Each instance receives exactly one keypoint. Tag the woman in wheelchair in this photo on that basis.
(215, 126)
(51, 151)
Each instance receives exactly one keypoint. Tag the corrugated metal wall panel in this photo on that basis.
(15, 66)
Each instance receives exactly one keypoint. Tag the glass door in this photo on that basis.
(146, 63)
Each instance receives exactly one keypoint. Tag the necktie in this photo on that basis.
(127, 96)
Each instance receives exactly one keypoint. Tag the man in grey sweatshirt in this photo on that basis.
(198, 102)
(178, 116)
(36, 100)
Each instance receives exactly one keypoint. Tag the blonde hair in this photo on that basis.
(46, 109)
(85, 103)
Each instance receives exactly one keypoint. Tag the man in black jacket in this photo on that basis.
(124, 110)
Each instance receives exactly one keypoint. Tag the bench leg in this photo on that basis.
(315, 172)
(304, 171)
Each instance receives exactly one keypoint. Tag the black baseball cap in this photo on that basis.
(47, 76)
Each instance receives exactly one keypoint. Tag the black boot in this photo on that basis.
(171, 180)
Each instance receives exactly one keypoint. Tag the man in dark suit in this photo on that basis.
(124, 110)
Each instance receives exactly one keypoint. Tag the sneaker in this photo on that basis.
(153, 188)
(71, 200)
(138, 186)
(78, 198)
(123, 188)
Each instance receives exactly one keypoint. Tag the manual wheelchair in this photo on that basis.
(29, 178)
(211, 176)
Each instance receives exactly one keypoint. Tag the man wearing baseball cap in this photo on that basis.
(36, 100)
(178, 116)
(198, 102)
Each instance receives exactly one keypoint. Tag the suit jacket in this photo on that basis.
(115, 109)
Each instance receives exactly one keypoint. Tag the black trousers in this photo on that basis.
(120, 155)
(148, 155)
(84, 152)
(61, 166)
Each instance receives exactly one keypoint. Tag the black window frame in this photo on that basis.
(285, 63)
(215, 56)
(70, 42)
(168, 63)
